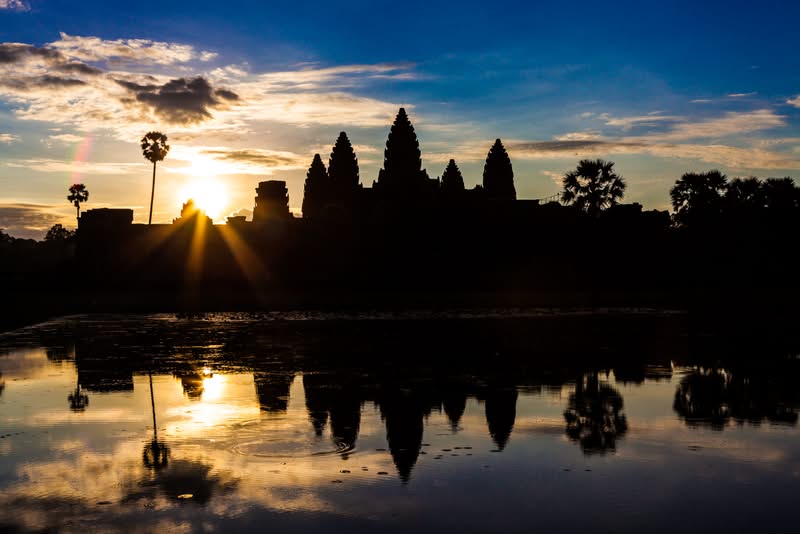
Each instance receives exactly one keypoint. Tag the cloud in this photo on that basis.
(794, 101)
(701, 101)
(181, 100)
(15, 5)
(338, 77)
(257, 157)
(222, 161)
(142, 51)
(53, 84)
(741, 95)
(73, 167)
(8, 138)
(626, 123)
(248, 214)
(65, 138)
(556, 177)
(28, 221)
(731, 123)
(578, 136)
(729, 156)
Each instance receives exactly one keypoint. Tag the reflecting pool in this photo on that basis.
(502, 421)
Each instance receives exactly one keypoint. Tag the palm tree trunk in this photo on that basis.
(78, 211)
(152, 194)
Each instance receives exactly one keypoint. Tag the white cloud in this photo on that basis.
(741, 95)
(701, 101)
(577, 136)
(8, 138)
(66, 138)
(794, 101)
(15, 5)
(143, 51)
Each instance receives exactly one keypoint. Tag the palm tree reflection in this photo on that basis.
(156, 453)
(78, 400)
(594, 415)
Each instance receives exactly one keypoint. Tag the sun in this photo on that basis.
(208, 194)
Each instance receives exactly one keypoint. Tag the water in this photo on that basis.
(509, 420)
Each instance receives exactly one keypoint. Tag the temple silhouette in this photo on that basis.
(407, 230)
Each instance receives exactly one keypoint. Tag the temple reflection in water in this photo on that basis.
(222, 416)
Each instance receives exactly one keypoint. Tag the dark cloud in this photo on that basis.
(79, 68)
(15, 52)
(55, 81)
(253, 157)
(41, 82)
(571, 145)
(28, 221)
(182, 100)
(11, 53)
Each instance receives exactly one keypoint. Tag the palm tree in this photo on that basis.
(154, 148)
(593, 186)
(698, 198)
(77, 195)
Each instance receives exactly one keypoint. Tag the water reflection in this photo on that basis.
(78, 399)
(156, 453)
(594, 415)
(190, 420)
(715, 397)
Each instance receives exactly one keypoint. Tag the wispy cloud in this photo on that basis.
(626, 123)
(794, 101)
(72, 167)
(221, 161)
(731, 123)
(141, 51)
(741, 95)
(15, 5)
(8, 138)
(65, 138)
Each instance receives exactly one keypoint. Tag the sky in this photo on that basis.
(250, 91)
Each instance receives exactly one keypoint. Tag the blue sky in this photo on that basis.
(660, 88)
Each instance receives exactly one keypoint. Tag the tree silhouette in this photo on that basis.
(402, 160)
(781, 194)
(697, 198)
(155, 149)
(593, 186)
(452, 181)
(78, 194)
(58, 233)
(498, 175)
(316, 188)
